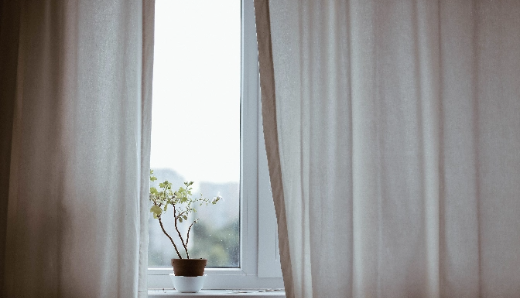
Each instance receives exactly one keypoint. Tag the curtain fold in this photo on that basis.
(392, 139)
(76, 92)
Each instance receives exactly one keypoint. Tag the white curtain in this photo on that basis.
(75, 135)
(393, 137)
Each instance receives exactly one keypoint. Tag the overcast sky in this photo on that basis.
(196, 89)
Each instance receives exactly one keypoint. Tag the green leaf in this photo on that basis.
(156, 210)
(152, 177)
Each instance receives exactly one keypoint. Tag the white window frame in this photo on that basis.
(260, 263)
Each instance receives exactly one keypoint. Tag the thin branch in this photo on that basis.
(189, 229)
(174, 246)
(178, 232)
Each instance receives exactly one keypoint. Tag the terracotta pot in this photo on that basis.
(189, 267)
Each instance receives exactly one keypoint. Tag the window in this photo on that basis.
(249, 257)
(196, 129)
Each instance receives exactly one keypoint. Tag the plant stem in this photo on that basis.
(188, 235)
(164, 231)
(178, 232)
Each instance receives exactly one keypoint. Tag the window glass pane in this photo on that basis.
(196, 123)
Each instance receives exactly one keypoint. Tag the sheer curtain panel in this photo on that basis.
(75, 86)
(393, 137)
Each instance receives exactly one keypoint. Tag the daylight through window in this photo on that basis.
(196, 123)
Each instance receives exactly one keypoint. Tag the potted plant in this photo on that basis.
(181, 204)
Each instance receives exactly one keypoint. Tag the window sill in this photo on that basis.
(267, 293)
